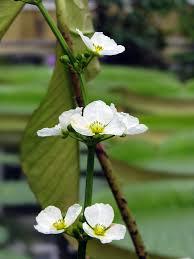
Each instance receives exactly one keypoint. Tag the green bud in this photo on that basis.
(87, 55)
(64, 59)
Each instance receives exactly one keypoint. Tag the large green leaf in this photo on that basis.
(144, 90)
(9, 10)
(172, 158)
(164, 212)
(51, 164)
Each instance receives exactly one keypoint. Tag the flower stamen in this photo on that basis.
(59, 225)
(98, 48)
(97, 127)
(99, 230)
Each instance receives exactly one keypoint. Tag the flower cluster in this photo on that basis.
(96, 119)
(98, 222)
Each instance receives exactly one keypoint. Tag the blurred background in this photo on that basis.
(154, 80)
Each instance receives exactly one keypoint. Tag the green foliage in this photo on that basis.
(130, 23)
(144, 90)
(4, 235)
(173, 157)
(5, 254)
(164, 212)
(16, 193)
(9, 10)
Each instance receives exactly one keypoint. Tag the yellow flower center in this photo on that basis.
(99, 230)
(59, 225)
(98, 48)
(97, 127)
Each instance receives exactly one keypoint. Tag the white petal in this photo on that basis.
(81, 125)
(46, 218)
(98, 111)
(44, 230)
(98, 38)
(65, 117)
(115, 127)
(47, 132)
(109, 52)
(72, 214)
(89, 230)
(141, 128)
(112, 106)
(99, 213)
(86, 40)
(115, 232)
(128, 120)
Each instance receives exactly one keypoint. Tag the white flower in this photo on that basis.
(132, 125)
(59, 129)
(101, 44)
(97, 118)
(51, 221)
(99, 224)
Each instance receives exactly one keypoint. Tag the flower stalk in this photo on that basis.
(102, 156)
(89, 176)
(82, 249)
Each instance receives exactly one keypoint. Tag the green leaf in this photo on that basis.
(172, 158)
(144, 90)
(6, 254)
(51, 164)
(164, 212)
(9, 10)
(16, 193)
(4, 235)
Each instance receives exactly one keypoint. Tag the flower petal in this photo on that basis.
(46, 218)
(85, 39)
(72, 214)
(109, 52)
(115, 232)
(81, 125)
(98, 111)
(140, 128)
(44, 230)
(115, 127)
(89, 230)
(48, 132)
(65, 117)
(99, 213)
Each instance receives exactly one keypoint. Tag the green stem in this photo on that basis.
(89, 176)
(56, 32)
(63, 44)
(82, 249)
